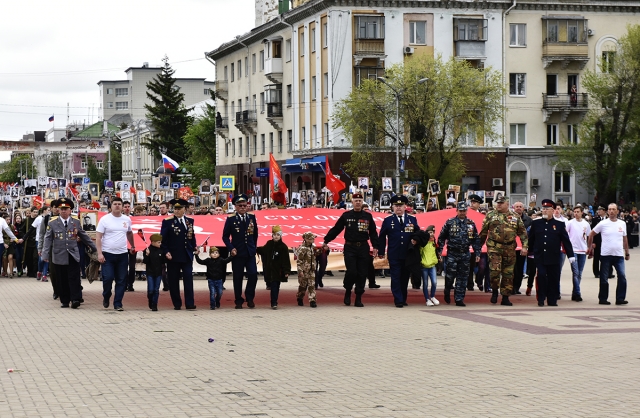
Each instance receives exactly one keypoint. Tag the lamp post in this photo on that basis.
(109, 145)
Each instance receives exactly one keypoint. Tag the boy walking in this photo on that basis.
(216, 272)
(306, 270)
(276, 264)
(154, 260)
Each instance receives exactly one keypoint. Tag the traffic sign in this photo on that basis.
(262, 172)
(227, 182)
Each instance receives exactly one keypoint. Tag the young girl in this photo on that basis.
(276, 264)
(429, 259)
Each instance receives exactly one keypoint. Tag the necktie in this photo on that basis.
(183, 223)
(400, 220)
(65, 224)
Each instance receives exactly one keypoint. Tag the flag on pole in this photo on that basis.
(141, 235)
(169, 164)
(334, 184)
(51, 118)
(277, 185)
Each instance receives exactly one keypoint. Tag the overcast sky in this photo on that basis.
(54, 52)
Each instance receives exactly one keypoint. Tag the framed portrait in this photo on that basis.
(221, 199)
(141, 197)
(311, 196)
(125, 185)
(53, 183)
(434, 202)
(497, 194)
(51, 194)
(257, 191)
(94, 189)
(205, 186)
(420, 199)
(295, 198)
(452, 196)
(139, 186)
(363, 183)
(168, 194)
(157, 197)
(385, 200)
(387, 184)
(164, 181)
(89, 222)
(205, 200)
(62, 193)
(62, 183)
(303, 196)
(434, 187)
(43, 181)
(533, 198)
(481, 193)
(126, 195)
(25, 202)
(489, 194)
(31, 187)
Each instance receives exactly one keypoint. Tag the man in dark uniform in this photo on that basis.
(518, 272)
(459, 233)
(398, 228)
(43, 229)
(359, 227)
(178, 246)
(601, 214)
(475, 202)
(545, 236)
(242, 228)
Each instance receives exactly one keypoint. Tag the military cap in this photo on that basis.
(213, 249)
(156, 237)
(55, 203)
(357, 195)
(601, 208)
(548, 203)
(431, 228)
(178, 203)
(276, 229)
(240, 198)
(501, 199)
(399, 200)
(476, 198)
(462, 206)
(64, 202)
(308, 235)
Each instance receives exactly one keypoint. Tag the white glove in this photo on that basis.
(572, 260)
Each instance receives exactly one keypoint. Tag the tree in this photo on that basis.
(54, 164)
(97, 175)
(10, 170)
(607, 156)
(456, 102)
(200, 142)
(168, 115)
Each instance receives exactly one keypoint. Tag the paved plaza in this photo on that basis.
(576, 360)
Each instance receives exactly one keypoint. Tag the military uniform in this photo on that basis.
(61, 248)
(40, 244)
(459, 234)
(398, 230)
(597, 240)
(243, 231)
(359, 228)
(500, 231)
(306, 255)
(474, 198)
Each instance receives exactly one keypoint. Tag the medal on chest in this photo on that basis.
(250, 228)
(363, 225)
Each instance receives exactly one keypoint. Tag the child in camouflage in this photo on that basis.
(306, 254)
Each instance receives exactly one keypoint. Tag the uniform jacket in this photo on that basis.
(545, 237)
(306, 262)
(501, 229)
(275, 261)
(177, 240)
(216, 267)
(399, 236)
(244, 235)
(60, 243)
(459, 235)
(154, 261)
(358, 226)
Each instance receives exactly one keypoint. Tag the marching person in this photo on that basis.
(359, 229)
(398, 228)
(240, 235)
(306, 262)
(179, 246)
(61, 247)
(499, 229)
(459, 233)
(276, 264)
(474, 204)
(545, 236)
(579, 231)
(518, 273)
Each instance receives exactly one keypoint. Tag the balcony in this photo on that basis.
(273, 69)
(565, 104)
(565, 41)
(222, 89)
(222, 127)
(274, 115)
(368, 48)
(246, 121)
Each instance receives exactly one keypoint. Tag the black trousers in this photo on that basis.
(131, 277)
(531, 272)
(68, 278)
(548, 283)
(371, 273)
(518, 271)
(30, 259)
(275, 292)
(356, 260)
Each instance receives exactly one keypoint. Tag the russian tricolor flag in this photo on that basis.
(169, 164)
(51, 119)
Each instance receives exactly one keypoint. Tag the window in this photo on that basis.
(206, 92)
(572, 31)
(233, 147)
(518, 34)
(517, 84)
(313, 87)
(517, 134)
(99, 165)
(565, 30)
(122, 92)
(122, 105)
(271, 142)
(552, 84)
(289, 94)
(83, 164)
(552, 134)
(470, 30)
(608, 61)
(518, 182)
(468, 138)
(325, 85)
(226, 149)
(239, 69)
(572, 134)
(109, 91)
(418, 33)
(304, 137)
(233, 72)
(313, 40)
(301, 44)
(240, 146)
(246, 66)
(255, 103)
(255, 145)
(315, 139)
(552, 31)
(287, 50)
(226, 73)
(262, 102)
(371, 73)
(325, 36)
(370, 27)
(325, 134)
(289, 140)
(263, 144)
(302, 89)
(562, 182)
(239, 105)
(109, 105)
(253, 63)
(261, 60)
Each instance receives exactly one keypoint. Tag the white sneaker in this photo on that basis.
(435, 301)
(429, 303)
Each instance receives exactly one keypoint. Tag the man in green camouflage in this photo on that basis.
(500, 228)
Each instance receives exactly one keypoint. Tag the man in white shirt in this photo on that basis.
(614, 250)
(578, 230)
(112, 234)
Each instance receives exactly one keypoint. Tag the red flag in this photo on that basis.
(96, 204)
(38, 202)
(278, 187)
(334, 184)
(141, 235)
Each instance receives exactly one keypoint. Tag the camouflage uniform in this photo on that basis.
(500, 231)
(306, 272)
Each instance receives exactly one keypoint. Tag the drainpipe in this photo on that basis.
(504, 98)
(294, 86)
(248, 106)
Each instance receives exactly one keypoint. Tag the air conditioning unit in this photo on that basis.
(497, 182)
(535, 182)
(591, 32)
(408, 50)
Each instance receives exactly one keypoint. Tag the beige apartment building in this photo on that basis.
(278, 85)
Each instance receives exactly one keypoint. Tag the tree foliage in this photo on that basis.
(54, 164)
(437, 117)
(10, 170)
(200, 142)
(608, 151)
(168, 115)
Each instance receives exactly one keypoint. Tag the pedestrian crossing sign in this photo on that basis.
(227, 182)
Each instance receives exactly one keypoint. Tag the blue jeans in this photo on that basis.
(576, 269)
(43, 266)
(429, 273)
(215, 292)
(153, 287)
(617, 262)
(114, 268)
(18, 256)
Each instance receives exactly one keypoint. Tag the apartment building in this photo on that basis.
(278, 85)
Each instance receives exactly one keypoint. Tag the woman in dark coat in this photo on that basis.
(276, 264)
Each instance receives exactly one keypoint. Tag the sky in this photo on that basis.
(54, 53)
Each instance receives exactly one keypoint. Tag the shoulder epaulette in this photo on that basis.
(232, 215)
(170, 217)
(53, 218)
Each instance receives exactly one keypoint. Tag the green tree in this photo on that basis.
(10, 170)
(453, 104)
(168, 115)
(607, 156)
(54, 164)
(200, 142)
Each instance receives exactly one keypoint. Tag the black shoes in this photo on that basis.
(251, 305)
(576, 298)
(177, 308)
(238, 306)
(553, 304)
(447, 296)
(105, 302)
(217, 303)
(358, 302)
(55, 296)
(460, 303)
(604, 302)
(313, 304)
(300, 302)
(130, 289)
(505, 301)
(494, 297)
(347, 297)
(165, 289)
(212, 307)
(399, 305)
(374, 286)
(191, 308)
(75, 304)
(540, 303)
(64, 305)
(621, 302)
(154, 307)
